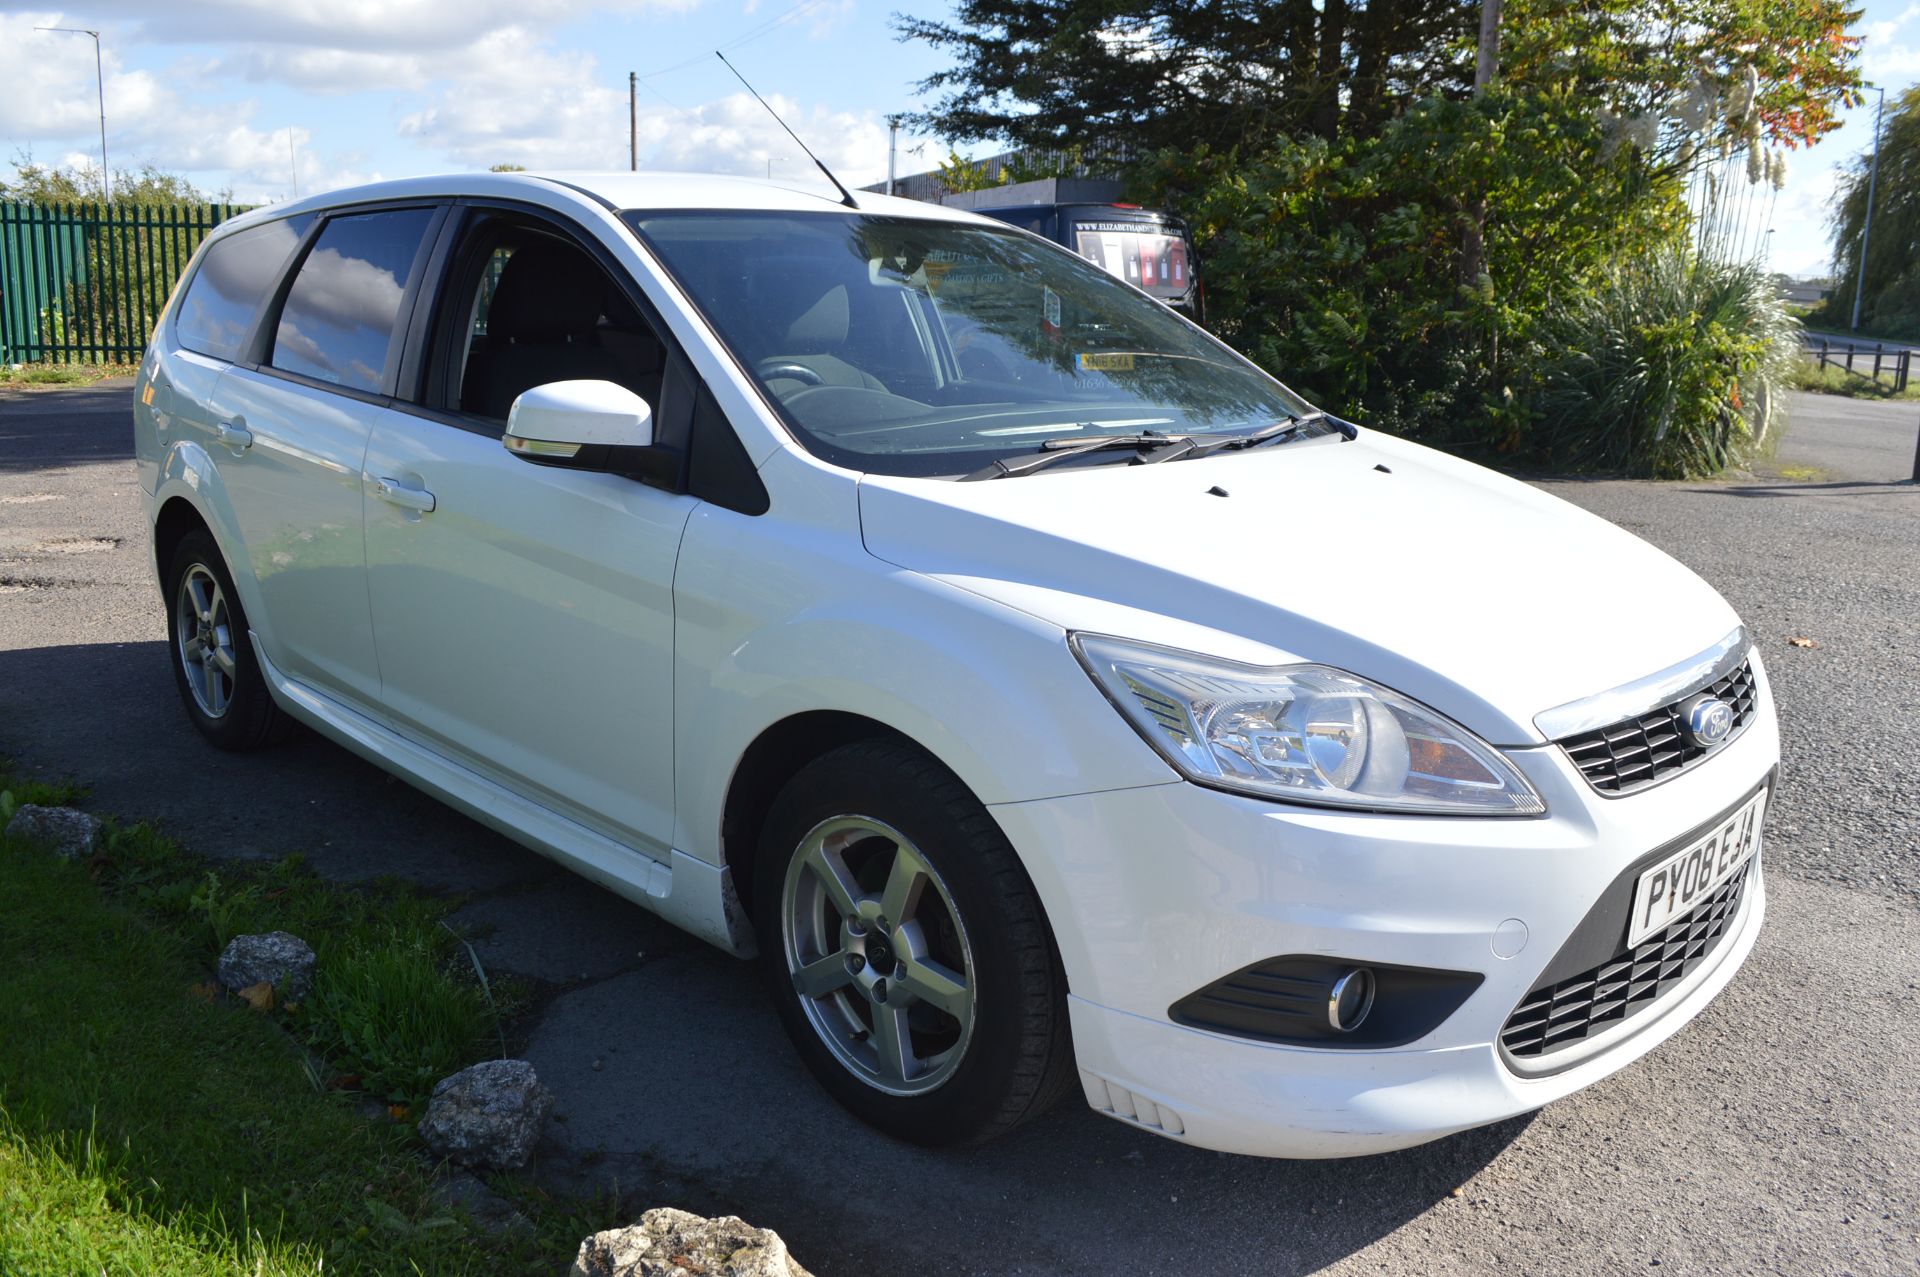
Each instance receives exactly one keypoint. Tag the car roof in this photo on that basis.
(622, 190)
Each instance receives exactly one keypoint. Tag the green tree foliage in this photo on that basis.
(1647, 58)
(146, 186)
(958, 174)
(1891, 304)
(1171, 73)
(1335, 263)
(1238, 73)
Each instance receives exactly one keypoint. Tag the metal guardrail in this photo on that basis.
(1898, 362)
(84, 283)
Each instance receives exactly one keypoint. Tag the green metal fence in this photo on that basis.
(84, 283)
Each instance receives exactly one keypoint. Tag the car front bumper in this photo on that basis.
(1156, 892)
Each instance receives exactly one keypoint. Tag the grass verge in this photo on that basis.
(62, 374)
(1829, 380)
(148, 1126)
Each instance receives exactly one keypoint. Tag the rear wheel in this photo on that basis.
(906, 951)
(214, 665)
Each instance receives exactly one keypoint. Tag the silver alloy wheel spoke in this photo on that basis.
(904, 883)
(860, 957)
(834, 879)
(934, 984)
(823, 976)
(893, 1045)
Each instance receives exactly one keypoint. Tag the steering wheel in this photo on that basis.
(795, 372)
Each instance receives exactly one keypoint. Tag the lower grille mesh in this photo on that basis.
(1560, 1015)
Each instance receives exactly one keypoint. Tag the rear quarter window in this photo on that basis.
(234, 279)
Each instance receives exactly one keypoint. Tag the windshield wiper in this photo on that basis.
(1056, 450)
(1161, 447)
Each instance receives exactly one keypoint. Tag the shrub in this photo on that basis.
(1670, 367)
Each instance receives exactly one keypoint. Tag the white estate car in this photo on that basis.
(1042, 692)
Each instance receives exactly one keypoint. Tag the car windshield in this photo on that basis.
(917, 347)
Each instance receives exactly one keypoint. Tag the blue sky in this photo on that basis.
(388, 88)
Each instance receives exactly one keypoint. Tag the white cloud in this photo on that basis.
(384, 26)
(551, 110)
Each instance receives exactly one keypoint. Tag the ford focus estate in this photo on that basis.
(1040, 693)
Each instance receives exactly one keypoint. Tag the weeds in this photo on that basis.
(146, 1128)
(1828, 380)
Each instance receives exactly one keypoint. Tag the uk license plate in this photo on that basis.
(1691, 875)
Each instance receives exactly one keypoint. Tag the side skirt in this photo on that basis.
(693, 895)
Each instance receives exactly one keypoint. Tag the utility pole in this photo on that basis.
(893, 145)
(100, 86)
(293, 162)
(633, 121)
(1866, 231)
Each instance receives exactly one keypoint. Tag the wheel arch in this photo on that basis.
(776, 755)
(177, 518)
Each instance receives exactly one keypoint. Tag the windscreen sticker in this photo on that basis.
(1049, 311)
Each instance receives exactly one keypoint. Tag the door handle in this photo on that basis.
(235, 436)
(407, 497)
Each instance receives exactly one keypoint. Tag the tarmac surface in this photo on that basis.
(1780, 1132)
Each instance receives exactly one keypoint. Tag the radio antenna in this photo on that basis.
(846, 196)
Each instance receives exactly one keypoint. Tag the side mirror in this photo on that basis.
(582, 425)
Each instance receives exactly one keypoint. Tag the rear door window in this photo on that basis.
(234, 279)
(342, 313)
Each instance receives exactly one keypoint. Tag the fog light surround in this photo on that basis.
(1349, 1000)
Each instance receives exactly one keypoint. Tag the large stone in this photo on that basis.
(276, 958)
(487, 1115)
(674, 1243)
(66, 831)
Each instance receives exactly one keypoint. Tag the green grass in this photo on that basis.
(62, 374)
(147, 1127)
(1829, 380)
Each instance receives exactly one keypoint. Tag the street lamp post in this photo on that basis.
(100, 86)
(1866, 230)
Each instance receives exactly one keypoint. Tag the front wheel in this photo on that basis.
(905, 949)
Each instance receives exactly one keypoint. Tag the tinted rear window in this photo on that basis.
(235, 277)
(339, 320)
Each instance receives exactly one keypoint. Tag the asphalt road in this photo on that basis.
(1778, 1133)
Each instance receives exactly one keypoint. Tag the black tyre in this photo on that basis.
(213, 660)
(906, 951)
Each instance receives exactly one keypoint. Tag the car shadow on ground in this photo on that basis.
(675, 1083)
(27, 443)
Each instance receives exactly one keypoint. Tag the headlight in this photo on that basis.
(1303, 733)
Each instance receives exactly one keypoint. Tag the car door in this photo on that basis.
(524, 615)
(293, 428)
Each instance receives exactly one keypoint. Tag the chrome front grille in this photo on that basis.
(1636, 752)
(1570, 1011)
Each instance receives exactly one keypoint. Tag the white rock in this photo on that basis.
(487, 1115)
(66, 831)
(674, 1243)
(278, 958)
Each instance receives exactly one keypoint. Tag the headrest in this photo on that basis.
(822, 328)
(548, 291)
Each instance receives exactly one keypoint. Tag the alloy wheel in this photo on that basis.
(203, 636)
(878, 955)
